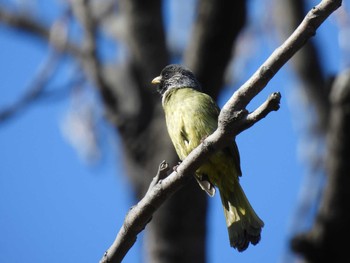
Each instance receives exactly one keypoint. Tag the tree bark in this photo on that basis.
(327, 238)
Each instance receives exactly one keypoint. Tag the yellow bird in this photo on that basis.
(191, 116)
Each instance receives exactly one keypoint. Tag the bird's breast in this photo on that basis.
(188, 119)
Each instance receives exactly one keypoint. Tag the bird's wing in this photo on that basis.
(204, 117)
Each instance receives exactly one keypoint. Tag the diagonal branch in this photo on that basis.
(35, 90)
(24, 22)
(233, 120)
(217, 25)
(139, 216)
(315, 17)
(307, 63)
(33, 26)
(333, 216)
(91, 61)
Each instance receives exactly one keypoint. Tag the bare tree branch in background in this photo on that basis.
(216, 28)
(23, 22)
(308, 67)
(325, 240)
(307, 63)
(34, 91)
(321, 243)
(92, 61)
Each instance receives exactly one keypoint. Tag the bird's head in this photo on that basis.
(175, 76)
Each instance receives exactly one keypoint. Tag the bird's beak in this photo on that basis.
(156, 80)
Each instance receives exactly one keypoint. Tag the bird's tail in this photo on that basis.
(244, 225)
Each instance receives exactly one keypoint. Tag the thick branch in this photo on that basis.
(233, 119)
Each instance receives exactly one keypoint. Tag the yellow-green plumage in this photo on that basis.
(191, 116)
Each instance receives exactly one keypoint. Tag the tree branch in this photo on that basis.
(24, 23)
(136, 220)
(139, 216)
(36, 28)
(91, 60)
(315, 17)
(233, 119)
(307, 63)
(216, 27)
(35, 90)
(333, 216)
(271, 104)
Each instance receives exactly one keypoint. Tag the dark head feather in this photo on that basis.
(177, 76)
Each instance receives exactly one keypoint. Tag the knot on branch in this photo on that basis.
(229, 122)
(266, 73)
(227, 119)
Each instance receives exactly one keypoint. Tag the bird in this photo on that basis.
(191, 116)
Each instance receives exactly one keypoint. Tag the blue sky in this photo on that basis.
(54, 207)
